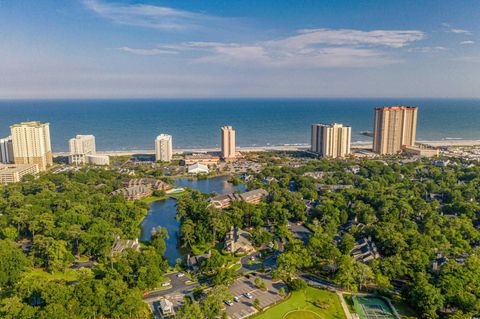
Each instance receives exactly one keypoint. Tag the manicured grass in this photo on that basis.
(300, 305)
(67, 275)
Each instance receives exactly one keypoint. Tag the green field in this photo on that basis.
(372, 308)
(301, 305)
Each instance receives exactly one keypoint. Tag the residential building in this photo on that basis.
(228, 143)
(81, 146)
(394, 128)
(6, 150)
(134, 192)
(197, 168)
(331, 140)
(153, 183)
(365, 251)
(205, 159)
(252, 197)
(238, 241)
(31, 144)
(419, 151)
(101, 160)
(13, 173)
(120, 245)
(166, 308)
(194, 262)
(163, 148)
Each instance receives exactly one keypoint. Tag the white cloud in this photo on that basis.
(460, 31)
(309, 48)
(428, 49)
(388, 38)
(467, 42)
(147, 52)
(151, 16)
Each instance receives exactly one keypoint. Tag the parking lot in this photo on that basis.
(244, 307)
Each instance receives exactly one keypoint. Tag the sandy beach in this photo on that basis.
(274, 148)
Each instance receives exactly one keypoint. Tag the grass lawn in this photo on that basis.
(300, 305)
(68, 275)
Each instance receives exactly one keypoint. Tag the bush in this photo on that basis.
(297, 284)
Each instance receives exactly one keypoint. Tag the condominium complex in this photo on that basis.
(31, 144)
(81, 146)
(13, 173)
(394, 128)
(228, 143)
(6, 150)
(331, 140)
(163, 148)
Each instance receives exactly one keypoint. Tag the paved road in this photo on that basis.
(179, 286)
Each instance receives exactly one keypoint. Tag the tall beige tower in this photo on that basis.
(394, 127)
(80, 147)
(331, 140)
(228, 143)
(163, 148)
(31, 144)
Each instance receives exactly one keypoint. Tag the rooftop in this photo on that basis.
(31, 123)
(396, 108)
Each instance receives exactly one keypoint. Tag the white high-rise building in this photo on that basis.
(331, 140)
(228, 143)
(6, 150)
(31, 144)
(163, 148)
(81, 146)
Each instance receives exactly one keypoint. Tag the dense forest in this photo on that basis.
(423, 219)
(50, 223)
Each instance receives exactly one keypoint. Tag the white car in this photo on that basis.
(228, 302)
(236, 298)
(180, 275)
(166, 284)
(248, 295)
(252, 258)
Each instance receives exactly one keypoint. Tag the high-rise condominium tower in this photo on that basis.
(331, 140)
(228, 143)
(394, 127)
(163, 148)
(81, 146)
(31, 144)
(6, 150)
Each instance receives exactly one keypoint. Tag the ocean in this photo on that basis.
(133, 124)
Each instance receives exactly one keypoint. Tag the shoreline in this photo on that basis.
(267, 148)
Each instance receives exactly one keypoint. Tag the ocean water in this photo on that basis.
(134, 124)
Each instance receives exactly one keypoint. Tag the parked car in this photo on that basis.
(248, 295)
(180, 275)
(166, 284)
(228, 302)
(236, 298)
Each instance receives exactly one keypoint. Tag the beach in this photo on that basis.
(269, 148)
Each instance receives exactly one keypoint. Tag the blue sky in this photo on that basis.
(239, 48)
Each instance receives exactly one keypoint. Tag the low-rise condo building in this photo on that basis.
(252, 197)
(205, 159)
(14, 173)
(100, 160)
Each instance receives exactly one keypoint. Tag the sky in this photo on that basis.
(52, 49)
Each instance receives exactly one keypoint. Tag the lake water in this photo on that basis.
(162, 213)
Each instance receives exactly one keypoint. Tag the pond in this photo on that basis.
(162, 213)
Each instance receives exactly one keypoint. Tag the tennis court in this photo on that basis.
(372, 308)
